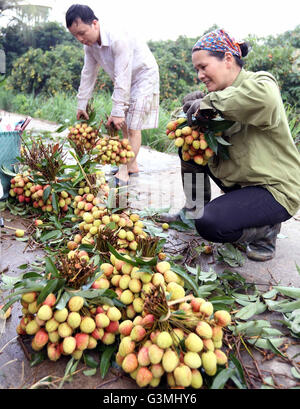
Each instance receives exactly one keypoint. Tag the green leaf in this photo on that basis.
(54, 234)
(265, 344)
(268, 383)
(222, 141)
(231, 255)
(46, 193)
(270, 294)
(250, 328)
(274, 348)
(90, 361)
(63, 300)
(251, 309)
(55, 204)
(11, 302)
(90, 372)
(49, 288)
(7, 171)
(238, 366)
(187, 278)
(179, 226)
(51, 268)
(23, 267)
(212, 141)
(32, 274)
(219, 124)
(283, 306)
(62, 128)
(9, 282)
(37, 358)
(222, 377)
(137, 262)
(295, 373)
(289, 291)
(105, 360)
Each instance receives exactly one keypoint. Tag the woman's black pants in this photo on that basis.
(225, 217)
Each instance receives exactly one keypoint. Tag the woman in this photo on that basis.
(261, 179)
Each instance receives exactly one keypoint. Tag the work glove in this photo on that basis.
(189, 108)
(192, 96)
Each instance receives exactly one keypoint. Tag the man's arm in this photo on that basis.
(87, 82)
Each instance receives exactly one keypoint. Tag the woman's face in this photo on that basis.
(214, 73)
(87, 34)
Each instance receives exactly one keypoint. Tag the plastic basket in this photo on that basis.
(10, 145)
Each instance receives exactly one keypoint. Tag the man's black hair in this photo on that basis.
(76, 11)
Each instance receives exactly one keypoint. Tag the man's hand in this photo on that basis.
(119, 122)
(81, 113)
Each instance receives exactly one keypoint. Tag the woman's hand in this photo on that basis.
(192, 96)
(118, 122)
(190, 107)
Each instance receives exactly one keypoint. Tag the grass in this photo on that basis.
(62, 107)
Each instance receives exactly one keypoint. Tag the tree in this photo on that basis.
(24, 11)
(17, 39)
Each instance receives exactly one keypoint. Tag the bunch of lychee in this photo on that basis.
(125, 229)
(132, 285)
(147, 353)
(70, 330)
(24, 190)
(112, 151)
(191, 140)
(83, 135)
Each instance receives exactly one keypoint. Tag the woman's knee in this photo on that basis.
(208, 228)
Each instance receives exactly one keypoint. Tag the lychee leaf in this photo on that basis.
(222, 377)
(90, 361)
(105, 361)
(51, 267)
(289, 291)
(50, 287)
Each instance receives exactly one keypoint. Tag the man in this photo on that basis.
(133, 70)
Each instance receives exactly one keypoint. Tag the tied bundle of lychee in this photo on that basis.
(83, 135)
(88, 202)
(24, 190)
(113, 151)
(132, 284)
(191, 140)
(100, 226)
(70, 330)
(179, 341)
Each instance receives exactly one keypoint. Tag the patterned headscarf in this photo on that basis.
(218, 40)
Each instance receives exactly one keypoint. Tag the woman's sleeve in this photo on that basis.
(123, 55)
(88, 79)
(255, 102)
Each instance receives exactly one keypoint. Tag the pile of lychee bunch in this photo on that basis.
(148, 353)
(26, 191)
(70, 330)
(83, 135)
(191, 140)
(124, 229)
(112, 151)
